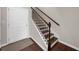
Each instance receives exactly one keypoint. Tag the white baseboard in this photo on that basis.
(4, 44)
(13, 42)
(68, 44)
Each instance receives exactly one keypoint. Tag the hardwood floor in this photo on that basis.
(61, 47)
(33, 47)
(18, 45)
(0, 49)
(22, 45)
(58, 47)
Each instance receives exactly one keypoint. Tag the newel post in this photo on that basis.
(49, 44)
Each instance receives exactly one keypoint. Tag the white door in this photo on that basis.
(17, 24)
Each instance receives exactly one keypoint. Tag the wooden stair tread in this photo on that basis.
(45, 31)
(43, 28)
(42, 25)
(53, 39)
(47, 36)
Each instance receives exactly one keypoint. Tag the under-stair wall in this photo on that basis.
(36, 34)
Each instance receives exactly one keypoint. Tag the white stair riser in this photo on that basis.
(54, 43)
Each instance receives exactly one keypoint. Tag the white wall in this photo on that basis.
(0, 27)
(68, 18)
(18, 27)
(3, 25)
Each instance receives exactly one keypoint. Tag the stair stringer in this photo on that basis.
(37, 36)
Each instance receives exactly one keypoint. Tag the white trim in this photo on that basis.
(46, 33)
(68, 44)
(51, 36)
(54, 43)
(4, 44)
(39, 44)
(7, 26)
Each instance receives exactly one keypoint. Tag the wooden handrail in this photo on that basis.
(49, 17)
(40, 16)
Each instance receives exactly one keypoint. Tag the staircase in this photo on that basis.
(44, 29)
